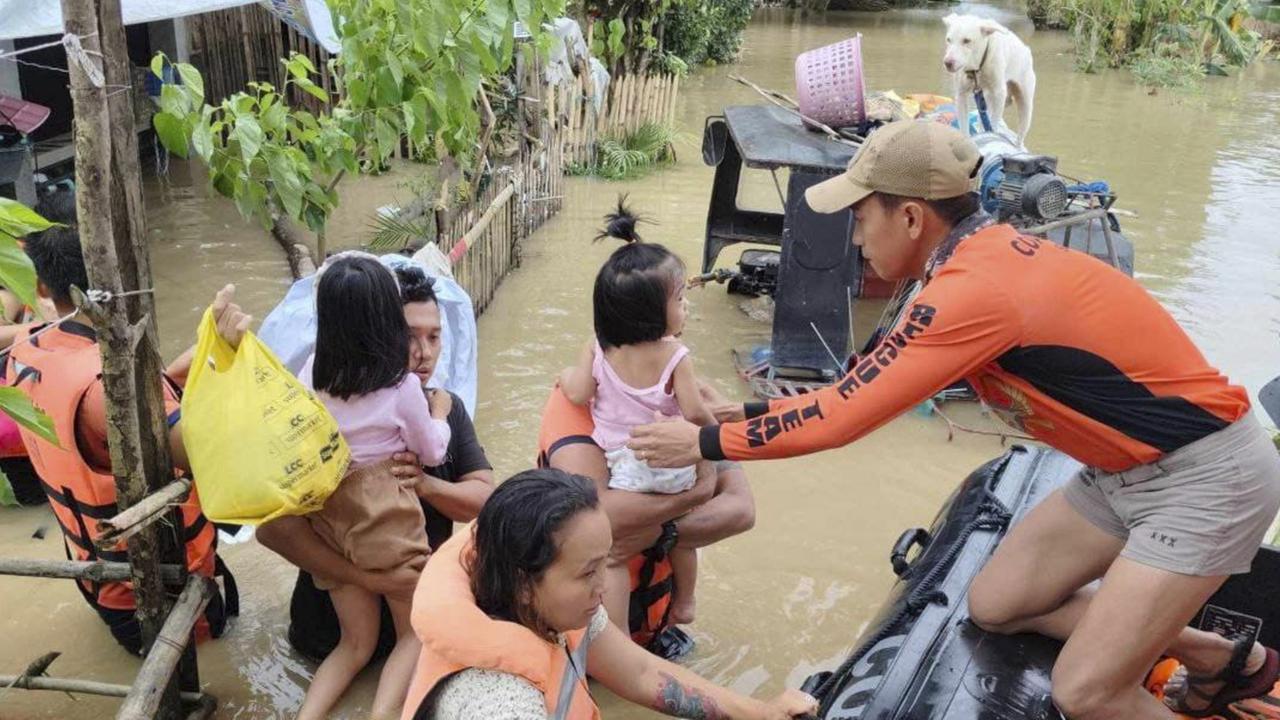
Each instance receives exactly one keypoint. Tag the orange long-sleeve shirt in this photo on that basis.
(1062, 346)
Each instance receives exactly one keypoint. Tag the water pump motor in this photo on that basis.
(1030, 188)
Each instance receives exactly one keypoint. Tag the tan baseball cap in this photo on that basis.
(913, 158)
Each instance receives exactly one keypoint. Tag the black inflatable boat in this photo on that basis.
(921, 658)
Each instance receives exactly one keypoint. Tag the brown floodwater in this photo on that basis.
(1201, 170)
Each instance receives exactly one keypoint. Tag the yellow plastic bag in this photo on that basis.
(260, 445)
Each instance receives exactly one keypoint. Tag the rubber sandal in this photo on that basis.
(1235, 686)
(1264, 707)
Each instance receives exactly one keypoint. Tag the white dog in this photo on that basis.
(984, 55)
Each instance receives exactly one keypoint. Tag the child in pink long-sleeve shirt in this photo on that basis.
(359, 371)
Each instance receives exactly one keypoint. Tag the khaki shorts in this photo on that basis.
(371, 520)
(1200, 510)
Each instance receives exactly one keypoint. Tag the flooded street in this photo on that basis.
(1202, 171)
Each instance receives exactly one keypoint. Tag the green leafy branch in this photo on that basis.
(404, 73)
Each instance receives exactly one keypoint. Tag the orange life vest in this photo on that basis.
(652, 582)
(55, 370)
(564, 423)
(456, 635)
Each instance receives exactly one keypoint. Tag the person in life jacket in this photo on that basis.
(645, 527)
(1180, 481)
(59, 367)
(59, 207)
(511, 619)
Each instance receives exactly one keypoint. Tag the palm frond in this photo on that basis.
(1239, 48)
(391, 232)
(1268, 11)
(630, 155)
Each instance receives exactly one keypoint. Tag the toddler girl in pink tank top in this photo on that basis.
(634, 371)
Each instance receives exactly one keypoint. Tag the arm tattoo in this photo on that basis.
(684, 702)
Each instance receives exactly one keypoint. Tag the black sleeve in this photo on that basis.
(466, 454)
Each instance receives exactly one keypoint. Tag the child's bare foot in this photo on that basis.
(683, 611)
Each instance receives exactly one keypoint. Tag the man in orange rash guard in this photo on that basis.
(1180, 482)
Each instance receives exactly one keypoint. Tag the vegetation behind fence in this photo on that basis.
(561, 127)
(632, 102)
(483, 239)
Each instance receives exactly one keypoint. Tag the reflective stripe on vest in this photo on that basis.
(577, 673)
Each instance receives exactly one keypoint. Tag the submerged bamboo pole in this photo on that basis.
(94, 570)
(145, 697)
(34, 677)
(87, 687)
(463, 245)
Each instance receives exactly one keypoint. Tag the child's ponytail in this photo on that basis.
(621, 224)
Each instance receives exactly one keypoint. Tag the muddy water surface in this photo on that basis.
(1202, 171)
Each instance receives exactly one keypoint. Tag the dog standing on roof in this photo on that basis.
(985, 56)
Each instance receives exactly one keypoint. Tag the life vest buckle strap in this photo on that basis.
(97, 512)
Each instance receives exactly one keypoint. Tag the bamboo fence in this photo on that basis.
(483, 239)
(632, 101)
(234, 47)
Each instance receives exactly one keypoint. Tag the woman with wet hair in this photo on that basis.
(511, 620)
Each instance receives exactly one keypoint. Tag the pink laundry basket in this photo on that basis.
(829, 84)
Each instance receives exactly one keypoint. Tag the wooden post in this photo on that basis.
(667, 98)
(610, 106)
(615, 112)
(633, 98)
(658, 100)
(655, 100)
(637, 108)
(650, 84)
(112, 235)
(250, 62)
(276, 34)
(675, 93)
(620, 106)
(628, 104)
(571, 111)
